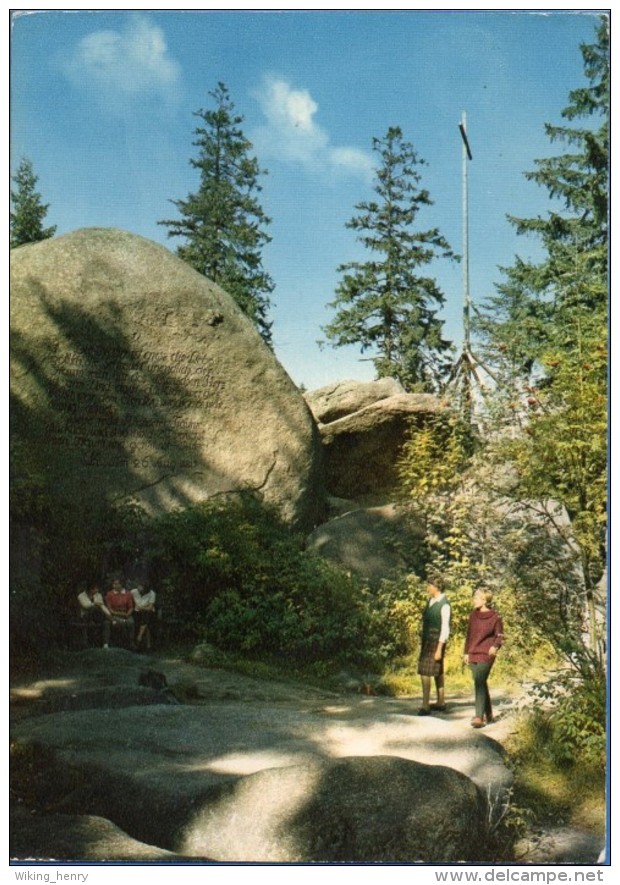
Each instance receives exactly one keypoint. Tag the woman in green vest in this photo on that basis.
(435, 633)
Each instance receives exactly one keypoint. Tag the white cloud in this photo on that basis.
(292, 134)
(127, 63)
(352, 158)
(290, 107)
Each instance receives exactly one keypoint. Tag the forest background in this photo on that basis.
(538, 455)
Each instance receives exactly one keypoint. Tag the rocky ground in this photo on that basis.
(90, 742)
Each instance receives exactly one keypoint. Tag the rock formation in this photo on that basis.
(135, 377)
(249, 770)
(372, 542)
(363, 428)
(354, 810)
(65, 837)
(345, 397)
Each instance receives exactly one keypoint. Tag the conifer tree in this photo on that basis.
(28, 211)
(387, 304)
(572, 277)
(222, 223)
(547, 331)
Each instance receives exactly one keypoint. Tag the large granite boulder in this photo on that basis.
(362, 448)
(133, 376)
(354, 810)
(344, 397)
(184, 778)
(70, 837)
(372, 542)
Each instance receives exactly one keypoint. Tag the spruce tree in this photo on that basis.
(222, 223)
(387, 304)
(546, 331)
(28, 211)
(535, 297)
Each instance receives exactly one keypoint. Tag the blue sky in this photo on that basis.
(102, 103)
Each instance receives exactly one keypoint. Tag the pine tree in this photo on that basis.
(573, 274)
(385, 304)
(28, 210)
(547, 330)
(222, 223)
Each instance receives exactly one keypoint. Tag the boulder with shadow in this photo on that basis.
(379, 809)
(246, 770)
(373, 543)
(345, 397)
(135, 377)
(363, 427)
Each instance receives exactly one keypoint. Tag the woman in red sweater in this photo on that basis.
(484, 638)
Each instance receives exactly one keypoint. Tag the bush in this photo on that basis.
(394, 618)
(555, 788)
(238, 578)
(574, 717)
(227, 571)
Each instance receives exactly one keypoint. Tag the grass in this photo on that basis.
(401, 678)
(557, 794)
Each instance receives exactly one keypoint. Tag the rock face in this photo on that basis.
(372, 542)
(248, 770)
(134, 376)
(356, 810)
(362, 447)
(363, 427)
(337, 400)
(67, 837)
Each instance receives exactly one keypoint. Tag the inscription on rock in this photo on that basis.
(140, 384)
(134, 376)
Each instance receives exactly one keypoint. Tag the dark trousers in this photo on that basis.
(94, 617)
(480, 672)
(126, 627)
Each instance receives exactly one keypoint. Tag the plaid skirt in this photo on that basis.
(427, 665)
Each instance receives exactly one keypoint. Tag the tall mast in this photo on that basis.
(465, 372)
(466, 294)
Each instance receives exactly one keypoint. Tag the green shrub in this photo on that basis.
(236, 575)
(394, 613)
(574, 718)
(553, 787)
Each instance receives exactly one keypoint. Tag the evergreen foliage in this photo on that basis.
(237, 577)
(222, 223)
(547, 331)
(387, 304)
(527, 512)
(537, 298)
(28, 211)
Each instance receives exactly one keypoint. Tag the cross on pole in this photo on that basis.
(465, 368)
(467, 155)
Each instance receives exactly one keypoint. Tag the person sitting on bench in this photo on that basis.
(144, 607)
(93, 611)
(120, 604)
